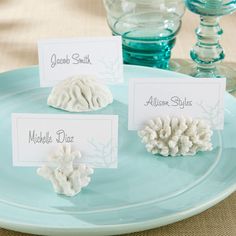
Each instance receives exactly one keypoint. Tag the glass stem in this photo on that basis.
(208, 52)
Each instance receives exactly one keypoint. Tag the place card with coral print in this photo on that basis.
(194, 97)
(97, 56)
(37, 136)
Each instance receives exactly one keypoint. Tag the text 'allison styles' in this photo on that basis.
(174, 101)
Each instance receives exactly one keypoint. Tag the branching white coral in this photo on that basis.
(80, 93)
(176, 136)
(65, 178)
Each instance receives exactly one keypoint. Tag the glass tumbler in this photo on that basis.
(148, 29)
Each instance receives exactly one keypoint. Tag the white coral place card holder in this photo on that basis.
(155, 97)
(97, 56)
(36, 136)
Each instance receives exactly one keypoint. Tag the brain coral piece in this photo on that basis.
(80, 93)
(176, 136)
(65, 177)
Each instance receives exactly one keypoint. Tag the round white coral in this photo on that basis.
(80, 93)
(176, 136)
(65, 178)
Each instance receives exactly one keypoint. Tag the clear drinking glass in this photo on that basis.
(207, 52)
(148, 29)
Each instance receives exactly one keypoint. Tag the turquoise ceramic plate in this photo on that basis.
(143, 193)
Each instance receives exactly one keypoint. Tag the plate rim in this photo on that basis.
(120, 228)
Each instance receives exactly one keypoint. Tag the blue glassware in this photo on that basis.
(148, 29)
(207, 52)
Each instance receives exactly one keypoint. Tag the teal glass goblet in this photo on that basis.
(207, 52)
(148, 29)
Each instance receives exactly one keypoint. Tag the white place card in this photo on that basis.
(97, 56)
(36, 136)
(198, 98)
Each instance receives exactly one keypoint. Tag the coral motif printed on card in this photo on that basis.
(110, 70)
(101, 154)
(213, 114)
